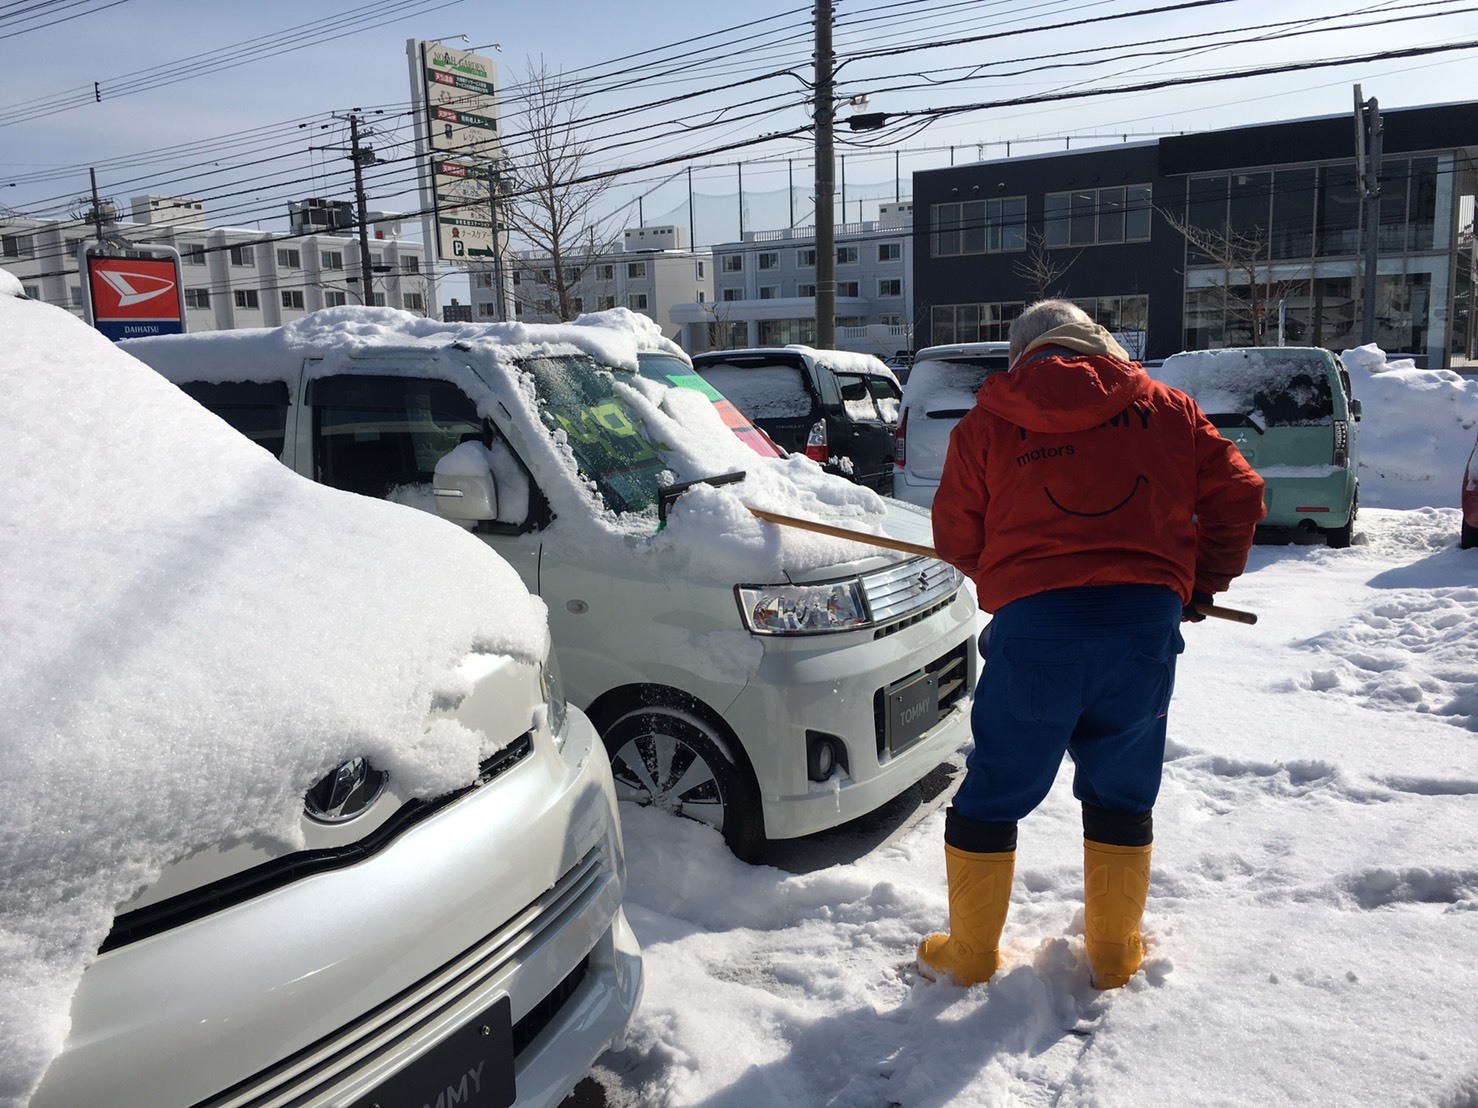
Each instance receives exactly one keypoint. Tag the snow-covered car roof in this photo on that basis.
(190, 637)
(710, 533)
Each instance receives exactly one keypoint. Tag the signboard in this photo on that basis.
(463, 226)
(126, 298)
(458, 134)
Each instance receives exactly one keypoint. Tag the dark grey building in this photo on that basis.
(1221, 238)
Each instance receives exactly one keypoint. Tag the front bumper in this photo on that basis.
(317, 992)
(836, 685)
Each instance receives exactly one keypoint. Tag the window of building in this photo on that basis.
(978, 226)
(332, 298)
(377, 257)
(577, 304)
(779, 332)
(518, 311)
(413, 302)
(74, 296)
(604, 303)
(805, 290)
(733, 263)
(769, 259)
(33, 291)
(409, 263)
(192, 255)
(890, 319)
(605, 273)
(731, 294)
(292, 298)
(547, 275)
(806, 259)
(485, 280)
(848, 288)
(487, 311)
(637, 302)
(893, 286)
(769, 292)
(700, 270)
(636, 271)
(700, 297)
(289, 259)
(890, 251)
(247, 298)
(1093, 217)
(243, 255)
(951, 323)
(197, 298)
(17, 246)
(846, 255)
(517, 279)
(72, 245)
(331, 259)
(376, 300)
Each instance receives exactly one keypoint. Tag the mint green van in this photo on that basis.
(1290, 411)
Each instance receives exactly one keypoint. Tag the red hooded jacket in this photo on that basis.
(1078, 469)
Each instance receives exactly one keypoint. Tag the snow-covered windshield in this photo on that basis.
(578, 401)
(940, 387)
(1277, 386)
(667, 370)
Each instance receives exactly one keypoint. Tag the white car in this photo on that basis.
(191, 637)
(765, 680)
(940, 389)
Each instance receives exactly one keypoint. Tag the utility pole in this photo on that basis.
(1369, 143)
(826, 248)
(360, 157)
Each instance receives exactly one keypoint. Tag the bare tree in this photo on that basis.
(1247, 292)
(720, 331)
(553, 203)
(1039, 269)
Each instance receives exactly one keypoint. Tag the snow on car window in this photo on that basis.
(1278, 386)
(938, 386)
(762, 391)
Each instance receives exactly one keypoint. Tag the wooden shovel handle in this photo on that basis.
(1215, 611)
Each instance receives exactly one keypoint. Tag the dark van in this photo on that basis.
(837, 407)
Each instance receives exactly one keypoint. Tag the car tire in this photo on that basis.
(1469, 537)
(670, 760)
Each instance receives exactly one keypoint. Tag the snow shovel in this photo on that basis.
(1215, 611)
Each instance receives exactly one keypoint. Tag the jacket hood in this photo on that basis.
(1071, 378)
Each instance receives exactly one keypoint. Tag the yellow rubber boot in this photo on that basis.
(1116, 881)
(979, 895)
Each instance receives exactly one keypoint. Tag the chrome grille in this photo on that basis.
(903, 589)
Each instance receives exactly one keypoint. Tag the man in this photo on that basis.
(1093, 508)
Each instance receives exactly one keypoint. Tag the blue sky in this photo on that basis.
(231, 134)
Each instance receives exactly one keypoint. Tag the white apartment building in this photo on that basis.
(651, 272)
(233, 277)
(765, 289)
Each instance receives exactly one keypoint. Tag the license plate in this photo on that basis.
(471, 1068)
(913, 708)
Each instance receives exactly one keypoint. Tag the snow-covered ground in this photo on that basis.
(1312, 926)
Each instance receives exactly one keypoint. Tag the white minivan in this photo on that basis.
(769, 681)
(295, 810)
(940, 389)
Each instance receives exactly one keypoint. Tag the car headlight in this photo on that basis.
(803, 609)
(348, 790)
(554, 700)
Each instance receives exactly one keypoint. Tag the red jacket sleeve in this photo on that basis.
(962, 496)
(1229, 503)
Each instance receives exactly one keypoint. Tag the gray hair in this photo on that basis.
(1040, 318)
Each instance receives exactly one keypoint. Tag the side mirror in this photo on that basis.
(464, 487)
(1355, 409)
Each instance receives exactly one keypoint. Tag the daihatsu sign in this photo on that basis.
(127, 298)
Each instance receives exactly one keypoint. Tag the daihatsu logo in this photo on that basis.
(134, 288)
